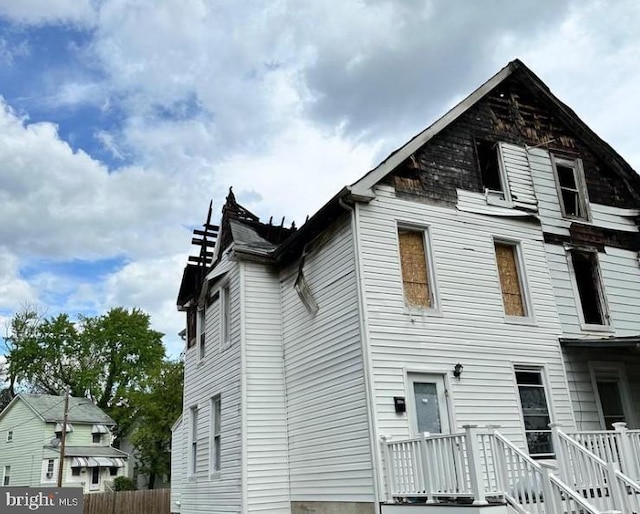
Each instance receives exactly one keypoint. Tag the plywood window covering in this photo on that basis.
(510, 283)
(415, 273)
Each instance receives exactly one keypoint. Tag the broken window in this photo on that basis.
(511, 283)
(201, 332)
(589, 285)
(535, 411)
(191, 327)
(489, 163)
(571, 188)
(225, 316)
(414, 263)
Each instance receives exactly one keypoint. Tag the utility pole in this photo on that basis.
(64, 436)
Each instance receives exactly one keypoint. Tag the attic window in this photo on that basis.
(488, 154)
(571, 187)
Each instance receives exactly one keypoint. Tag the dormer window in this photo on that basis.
(494, 179)
(572, 190)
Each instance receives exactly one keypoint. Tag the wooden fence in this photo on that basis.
(155, 501)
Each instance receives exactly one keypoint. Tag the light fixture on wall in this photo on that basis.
(457, 370)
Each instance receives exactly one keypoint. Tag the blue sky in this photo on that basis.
(121, 119)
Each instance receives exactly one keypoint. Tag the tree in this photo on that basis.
(105, 358)
(159, 405)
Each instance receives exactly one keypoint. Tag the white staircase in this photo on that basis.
(483, 470)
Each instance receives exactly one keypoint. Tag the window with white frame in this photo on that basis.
(225, 316)
(215, 448)
(591, 298)
(201, 332)
(50, 469)
(193, 440)
(492, 171)
(572, 190)
(535, 410)
(512, 281)
(6, 475)
(416, 266)
(9, 436)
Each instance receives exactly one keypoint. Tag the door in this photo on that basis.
(612, 397)
(429, 403)
(95, 478)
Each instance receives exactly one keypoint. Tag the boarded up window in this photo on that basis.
(415, 274)
(507, 259)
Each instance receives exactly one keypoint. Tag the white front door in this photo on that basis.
(428, 400)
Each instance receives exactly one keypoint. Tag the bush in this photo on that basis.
(124, 484)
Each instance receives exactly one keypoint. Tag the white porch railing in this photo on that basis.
(479, 466)
(620, 446)
(601, 482)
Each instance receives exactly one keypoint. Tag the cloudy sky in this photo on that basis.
(121, 119)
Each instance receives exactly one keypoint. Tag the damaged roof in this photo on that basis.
(281, 245)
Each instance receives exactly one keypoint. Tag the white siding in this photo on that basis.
(178, 464)
(582, 392)
(471, 327)
(329, 438)
(516, 166)
(217, 374)
(266, 424)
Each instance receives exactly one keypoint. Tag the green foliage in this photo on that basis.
(106, 358)
(159, 405)
(124, 484)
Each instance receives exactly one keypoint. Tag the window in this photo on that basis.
(50, 466)
(610, 385)
(216, 412)
(589, 287)
(10, 436)
(113, 471)
(511, 279)
(191, 327)
(416, 268)
(535, 411)
(571, 187)
(6, 476)
(193, 450)
(492, 172)
(225, 316)
(201, 332)
(97, 438)
(75, 472)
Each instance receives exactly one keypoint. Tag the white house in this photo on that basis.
(439, 335)
(31, 428)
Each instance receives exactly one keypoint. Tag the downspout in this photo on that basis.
(244, 501)
(367, 364)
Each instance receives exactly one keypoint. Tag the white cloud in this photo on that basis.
(14, 290)
(48, 11)
(64, 204)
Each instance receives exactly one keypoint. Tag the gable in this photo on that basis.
(513, 107)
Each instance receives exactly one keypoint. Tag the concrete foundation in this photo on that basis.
(332, 508)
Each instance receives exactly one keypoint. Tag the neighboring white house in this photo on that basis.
(485, 273)
(30, 433)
